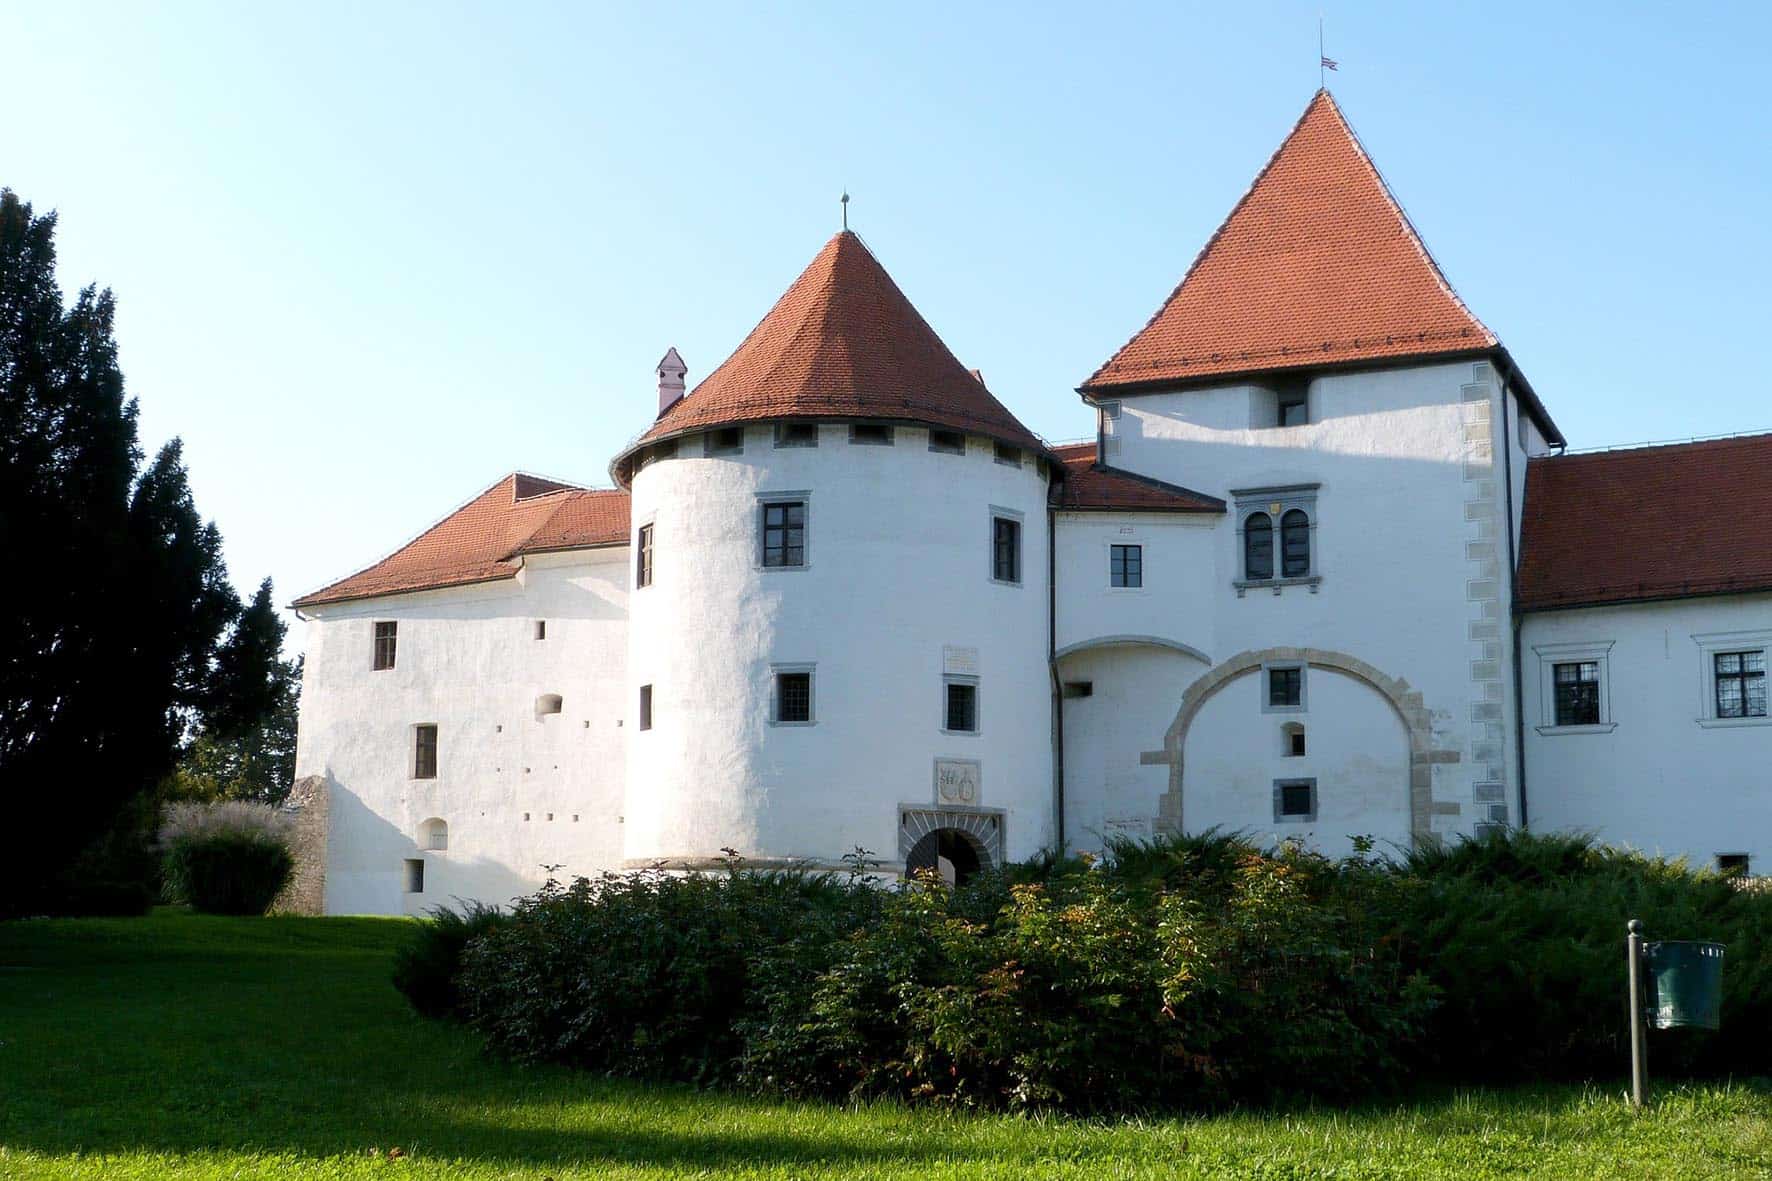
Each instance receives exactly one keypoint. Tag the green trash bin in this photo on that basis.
(1687, 984)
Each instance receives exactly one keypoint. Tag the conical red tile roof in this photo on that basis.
(1317, 265)
(842, 343)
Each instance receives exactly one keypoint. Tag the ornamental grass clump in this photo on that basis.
(227, 858)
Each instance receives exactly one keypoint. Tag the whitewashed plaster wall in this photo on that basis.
(518, 791)
(1409, 517)
(1356, 749)
(897, 581)
(1660, 773)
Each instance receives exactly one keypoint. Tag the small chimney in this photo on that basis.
(671, 371)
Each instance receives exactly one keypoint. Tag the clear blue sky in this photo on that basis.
(369, 258)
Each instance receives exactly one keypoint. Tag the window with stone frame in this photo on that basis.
(1126, 566)
(1577, 687)
(1277, 536)
(784, 533)
(1739, 680)
(1005, 549)
(1285, 686)
(960, 705)
(1295, 800)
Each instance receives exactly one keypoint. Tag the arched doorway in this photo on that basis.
(953, 854)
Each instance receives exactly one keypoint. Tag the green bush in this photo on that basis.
(427, 966)
(229, 858)
(1524, 936)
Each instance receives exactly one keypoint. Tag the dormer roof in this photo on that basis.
(1317, 265)
(842, 343)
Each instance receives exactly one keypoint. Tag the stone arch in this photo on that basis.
(964, 852)
(1111, 641)
(980, 828)
(1405, 700)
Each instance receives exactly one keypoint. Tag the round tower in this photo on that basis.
(838, 634)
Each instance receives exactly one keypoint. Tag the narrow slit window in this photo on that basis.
(645, 707)
(424, 751)
(784, 533)
(541, 629)
(386, 637)
(1126, 566)
(1295, 544)
(643, 558)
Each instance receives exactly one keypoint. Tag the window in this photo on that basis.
(784, 533)
(960, 705)
(1577, 693)
(871, 434)
(1009, 455)
(415, 876)
(433, 834)
(424, 751)
(1292, 741)
(947, 442)
(1285, 686)
(796, 434)
(1295, 544)
(541, 629)
(1005, 549)
(1079, 688)
(385, 636)
(643, 558)
(549, 703)
(645, 707)
(1740, 684)
(1292, 402)
(1733, 865)
(1295, 800)
(793, 696)
(725, 441)
(1110, 411)
(1126, 565)
(1258, 548)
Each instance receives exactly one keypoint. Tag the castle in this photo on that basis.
(1324, 572)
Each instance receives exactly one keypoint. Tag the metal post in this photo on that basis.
(1639, 1049)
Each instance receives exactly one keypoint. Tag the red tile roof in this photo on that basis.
(1093, 487)
(1317, 265)
(484, 539)
(1647, 523)
(843, 342)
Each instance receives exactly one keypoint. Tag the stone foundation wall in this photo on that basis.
(309, 804)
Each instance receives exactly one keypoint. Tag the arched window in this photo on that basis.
(1258, 547)
(1295, 544)
(433, 834)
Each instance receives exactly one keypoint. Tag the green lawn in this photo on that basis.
(179, 1046)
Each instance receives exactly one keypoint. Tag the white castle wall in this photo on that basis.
(1408, 545)
(897, 580)
(517, 791)
(1660, 774)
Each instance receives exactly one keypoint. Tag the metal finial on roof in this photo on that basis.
(844, 201)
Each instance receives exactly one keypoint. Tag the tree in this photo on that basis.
(117, 598)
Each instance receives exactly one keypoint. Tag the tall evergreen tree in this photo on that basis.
(116, 596)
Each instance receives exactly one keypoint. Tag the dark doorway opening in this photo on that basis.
(949, 852)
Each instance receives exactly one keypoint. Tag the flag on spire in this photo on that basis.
(1330, 63)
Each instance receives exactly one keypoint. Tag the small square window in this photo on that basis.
(1075, 689)
(1294, 735)
(645, 707)
(386, 635)
(784, 533)
(947, 442)
(415, 875)
(960, 709)
(1295, 799)
(725, 441)
(796, 434)
(871, 434)
(643, 558)
(541, 629)
(424, 751)
(1005, 549)
(1285, 687)
(1126, 565)
(1009, 455)
(793, 697)
(1577, 693)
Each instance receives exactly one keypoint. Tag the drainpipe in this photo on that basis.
(1509, 432)
(1057, 686)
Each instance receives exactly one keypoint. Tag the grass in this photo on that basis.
(178, 1046)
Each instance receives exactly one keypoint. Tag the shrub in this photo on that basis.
(427, 966)
(1524, 935)
(229, 858)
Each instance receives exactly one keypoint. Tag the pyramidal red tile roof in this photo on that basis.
(842, 343)
(1316, 265)
(1656, 522)
(1090, 486)
(484, 539)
